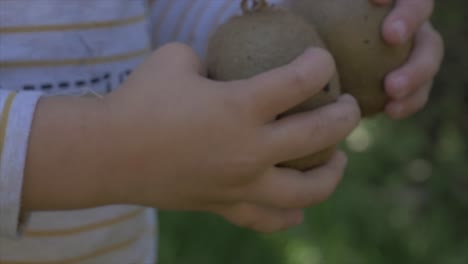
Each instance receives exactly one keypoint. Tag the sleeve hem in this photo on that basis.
(16, 128)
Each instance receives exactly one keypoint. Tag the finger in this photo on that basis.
(408, 106)
(178, 56)
(261, 218)
(291, 189)
(405, 20)
(422, 66)
(272, 93)
(301, 134)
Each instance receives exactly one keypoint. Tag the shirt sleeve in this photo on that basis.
(16, 115)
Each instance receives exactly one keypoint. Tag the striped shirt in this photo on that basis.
(74, 47)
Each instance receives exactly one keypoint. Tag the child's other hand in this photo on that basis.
(410, 85)
(191, 143)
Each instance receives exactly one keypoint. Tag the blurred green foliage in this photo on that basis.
(404, 198)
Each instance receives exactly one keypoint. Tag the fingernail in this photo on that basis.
(347, 97)
(399, 28)
(310, 51)
(399, 87)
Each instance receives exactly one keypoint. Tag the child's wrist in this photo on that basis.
(68, 147)
(109, 126)
(118, 182)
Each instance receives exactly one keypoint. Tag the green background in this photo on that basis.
(404, 198)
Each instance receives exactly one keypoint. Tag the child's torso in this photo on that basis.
(76, 47)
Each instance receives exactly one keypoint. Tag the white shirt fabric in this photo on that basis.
(74, 47)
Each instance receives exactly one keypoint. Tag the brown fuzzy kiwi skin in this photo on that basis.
(351, 30)
(258, 41)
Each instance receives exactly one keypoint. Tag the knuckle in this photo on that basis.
(184, 53)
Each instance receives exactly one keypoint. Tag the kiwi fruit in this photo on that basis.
(263, 38)
(351, 30)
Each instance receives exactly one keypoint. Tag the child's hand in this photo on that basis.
(410, 86)
(196, 144)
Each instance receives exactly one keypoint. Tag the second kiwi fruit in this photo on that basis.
(351, 30)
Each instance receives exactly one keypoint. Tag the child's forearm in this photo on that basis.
(68, 155)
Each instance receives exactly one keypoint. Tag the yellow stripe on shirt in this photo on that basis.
(85, 228)
(72, 27)
(95, 254)
(4, 120)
